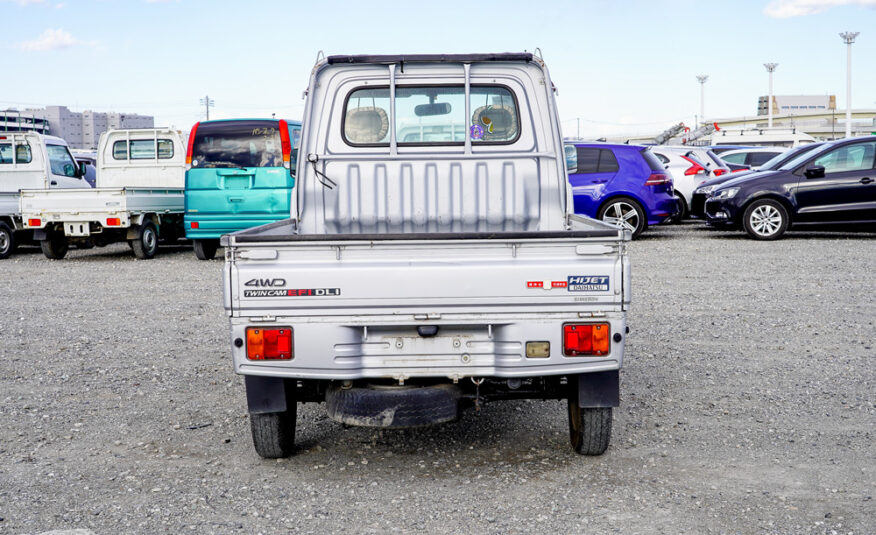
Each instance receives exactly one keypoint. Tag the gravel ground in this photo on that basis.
(747, 407)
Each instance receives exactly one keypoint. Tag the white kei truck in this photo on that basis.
(29, 160)
(432, 261)
(138, 197)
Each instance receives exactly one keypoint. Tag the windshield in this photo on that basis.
(794, 162)
(237, 144)
(787, 156)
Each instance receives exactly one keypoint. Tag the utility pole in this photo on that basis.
(848, 39)
(207, 101)
(579, 127)
(702, 80)
(770, 67)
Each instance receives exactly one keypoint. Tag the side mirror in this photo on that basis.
(82, 169)
(814, 171)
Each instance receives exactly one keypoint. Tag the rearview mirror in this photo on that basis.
(814, 171)
(437, 108)
(81, 170)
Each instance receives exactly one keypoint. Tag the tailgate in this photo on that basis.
(427, 276)
(39, 203)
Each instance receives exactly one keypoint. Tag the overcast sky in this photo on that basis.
(620, 66)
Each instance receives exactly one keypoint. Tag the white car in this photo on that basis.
(753, 157)
(689, 167)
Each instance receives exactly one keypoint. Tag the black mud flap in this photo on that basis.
(393, 407)
(599, 389)
(265, 394)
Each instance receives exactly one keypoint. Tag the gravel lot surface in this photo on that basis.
(748, 406)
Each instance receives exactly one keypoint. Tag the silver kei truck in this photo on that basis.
(432, 261)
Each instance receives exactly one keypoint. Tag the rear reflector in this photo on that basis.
(113, 221)
(657, 179)
(195, 224)
(33, 222)
(269, 344)
(586, 339)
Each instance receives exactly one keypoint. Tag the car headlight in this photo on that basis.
(705, 190)
(728, 193)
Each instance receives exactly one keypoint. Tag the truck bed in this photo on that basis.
(355, 300)
(8, 203)
(94, 204)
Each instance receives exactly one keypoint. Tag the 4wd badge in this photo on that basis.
(587, 283)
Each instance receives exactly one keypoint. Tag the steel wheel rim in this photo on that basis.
(4, 242)
(765, 220)
(622, 214)
(149, 239)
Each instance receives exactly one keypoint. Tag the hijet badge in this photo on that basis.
(587, 283)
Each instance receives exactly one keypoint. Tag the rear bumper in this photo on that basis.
(353, 348)
(662, 209)
(213, 227)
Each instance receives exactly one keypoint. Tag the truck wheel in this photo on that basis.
(55, 245)
(624, 212)
(589, 428)
(206, 249)
(765, 219)
(146, 244)
(273, 433)
(7, 241)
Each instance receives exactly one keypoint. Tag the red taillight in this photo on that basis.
(656, 179)
(113, 221)
(195, 224)
(586, 339)
(694, 167)
(285, 144)
(269, 344)
(33, 222)
(740, 170)
(719, 171)
(191, 146)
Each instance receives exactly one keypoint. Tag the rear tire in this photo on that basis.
(273, 433)
(624, 212)
(7, 241)
(683, 210)
(55, 246)
(146, 244)
(206, 249)
(589, 427)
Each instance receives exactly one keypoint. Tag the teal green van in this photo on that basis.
(239, 174)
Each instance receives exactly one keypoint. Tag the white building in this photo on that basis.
(82, 130)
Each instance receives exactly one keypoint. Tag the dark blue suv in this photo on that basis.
(621, 184)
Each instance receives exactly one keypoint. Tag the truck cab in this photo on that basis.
(239, 174)
(29, 160)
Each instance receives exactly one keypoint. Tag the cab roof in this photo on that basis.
(431, 58)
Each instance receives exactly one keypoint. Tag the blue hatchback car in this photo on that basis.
(621, 184)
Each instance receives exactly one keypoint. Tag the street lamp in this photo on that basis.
(702, 80)
(770, 67)
(848, 39)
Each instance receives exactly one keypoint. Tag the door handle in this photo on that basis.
(53, 183)
(866, 180)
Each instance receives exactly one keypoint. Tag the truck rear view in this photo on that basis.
(432, 261)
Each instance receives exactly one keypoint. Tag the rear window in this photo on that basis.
(22, 153)
(431, 115)
(652, 160)
(757, 159)
(237, 144)
(143, 149)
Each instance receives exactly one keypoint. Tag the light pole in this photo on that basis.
(849, 38)
(770, 67)
(702, 80)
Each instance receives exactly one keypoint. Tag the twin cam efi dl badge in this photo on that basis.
(587, 283)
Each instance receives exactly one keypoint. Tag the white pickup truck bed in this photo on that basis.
(86, 205)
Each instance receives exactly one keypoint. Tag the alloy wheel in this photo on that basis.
(622, 214)
(765, 220)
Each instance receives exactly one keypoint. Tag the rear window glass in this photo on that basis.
(237, 144)
(653, 161)
(431, 114)
(143, 149)
(22, 153)
(759, 158)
